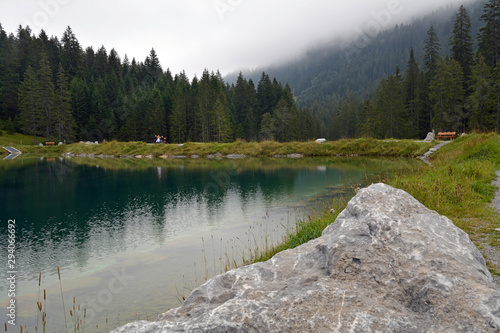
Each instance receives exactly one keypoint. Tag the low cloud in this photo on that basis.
(215, 34)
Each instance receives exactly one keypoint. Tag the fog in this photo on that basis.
(215, 34)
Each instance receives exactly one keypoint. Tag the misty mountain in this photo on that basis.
(324, 76)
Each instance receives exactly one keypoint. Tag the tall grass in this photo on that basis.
(459, 186)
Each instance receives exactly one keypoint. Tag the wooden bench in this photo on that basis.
(447, 135)
(49, 143)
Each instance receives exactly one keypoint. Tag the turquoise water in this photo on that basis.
(132, 238)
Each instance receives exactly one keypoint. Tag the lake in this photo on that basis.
(133, 237)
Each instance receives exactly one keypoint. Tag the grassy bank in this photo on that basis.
(361, 147)
(457, 185)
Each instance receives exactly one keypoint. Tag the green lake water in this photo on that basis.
(133, 237)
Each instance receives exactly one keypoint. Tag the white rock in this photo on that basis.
(387, 264)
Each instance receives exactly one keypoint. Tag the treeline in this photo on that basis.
(459, 92)
(56, 89)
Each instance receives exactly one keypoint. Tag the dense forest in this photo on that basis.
(458, 92)
(347, 85)
(61, 91)
(439, 73)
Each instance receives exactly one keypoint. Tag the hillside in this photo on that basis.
(322, 77)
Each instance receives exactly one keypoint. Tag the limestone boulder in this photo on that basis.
(387, 264)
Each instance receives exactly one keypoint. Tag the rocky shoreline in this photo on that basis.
(387, 264)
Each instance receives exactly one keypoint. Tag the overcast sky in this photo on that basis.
(227, 35)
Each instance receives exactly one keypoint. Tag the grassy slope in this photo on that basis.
(362, 147)
(457, 185)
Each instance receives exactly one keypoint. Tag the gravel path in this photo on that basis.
(427, 155)
(496, 201)
(492, 253)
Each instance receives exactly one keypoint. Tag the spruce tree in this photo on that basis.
(431, 53)
(46, 95)
(71, 53)
(221, 121)
(447, 96)
(178, 121)
(462, 44)
(29, 103)
(64, 123)
(152, 64)
(489, 34)
(481, 101)
(410, 86)
(267, 127)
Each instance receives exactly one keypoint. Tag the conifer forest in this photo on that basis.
(56, 88)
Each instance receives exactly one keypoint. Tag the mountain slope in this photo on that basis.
(325, 76)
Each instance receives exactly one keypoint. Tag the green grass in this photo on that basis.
(18, 139)
(457, 185)
(361, 147)
(304, 231)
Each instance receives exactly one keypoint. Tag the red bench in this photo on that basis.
(447, 135)
(49, 143)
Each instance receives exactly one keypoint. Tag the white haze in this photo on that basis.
(228, 35)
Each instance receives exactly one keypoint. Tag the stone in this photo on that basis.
(430, 137)
(236, 156)
(60, 144)
(387, 264)
(320, 140)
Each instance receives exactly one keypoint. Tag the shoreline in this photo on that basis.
(236, 150)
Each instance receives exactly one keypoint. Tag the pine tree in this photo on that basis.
(71, 53)
(221, 121)
(481, 101)
(64, 123)
(462, 44)
(267, 127)
(265, 97)
(431, 53)
(80, 103)
(368, 120)
(46, 95)
(390, 109)
(447, 96)
(178, 119)
(410, 86)
(489, 35)
(29, 103)
(152, 64)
